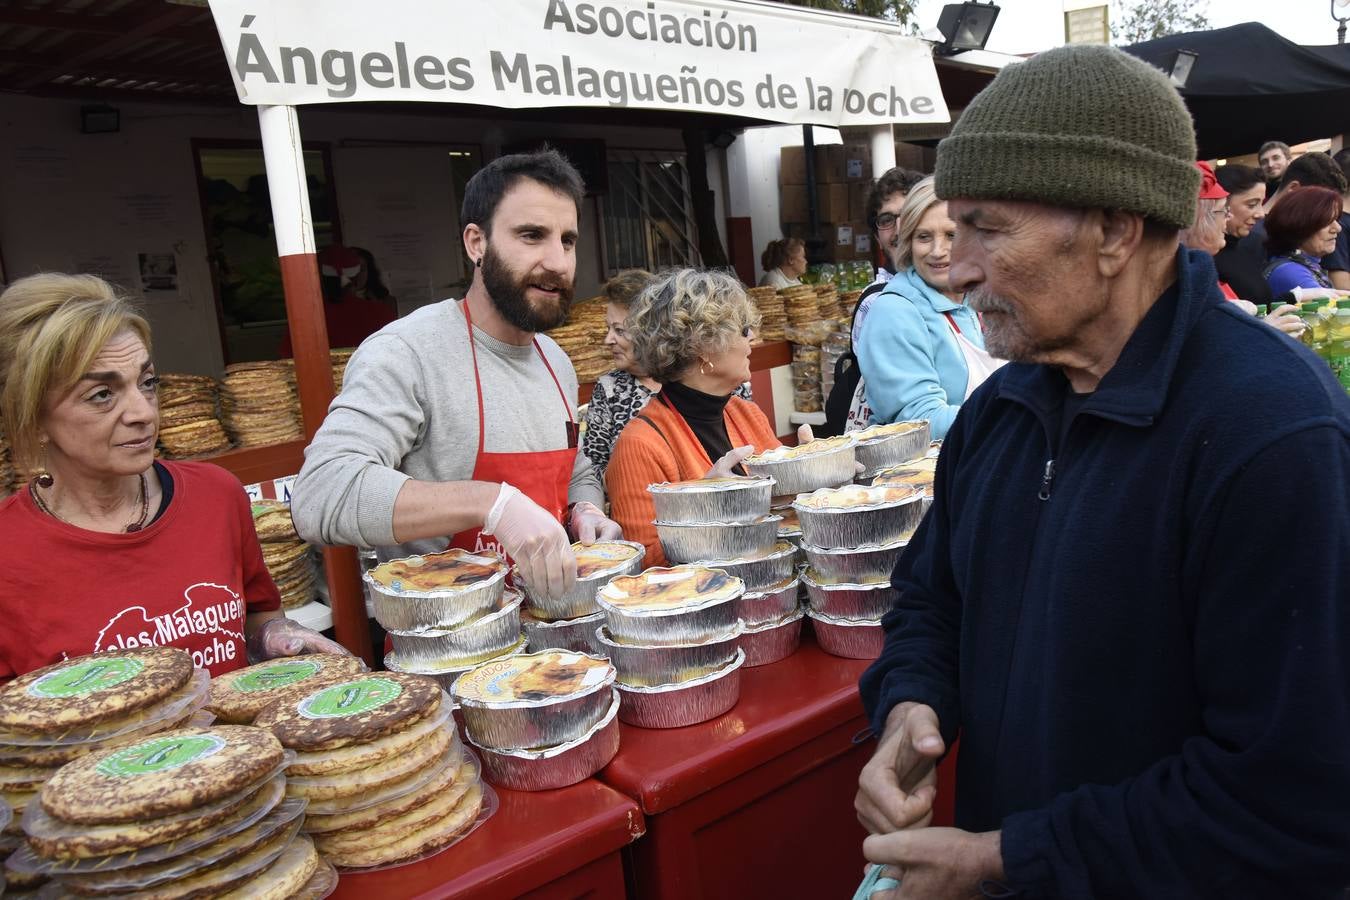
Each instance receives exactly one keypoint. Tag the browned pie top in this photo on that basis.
(856, 495)
(664, 589)
(87, 690)
(447, 570)
(592, 559)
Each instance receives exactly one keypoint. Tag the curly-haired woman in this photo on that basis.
(691, 332)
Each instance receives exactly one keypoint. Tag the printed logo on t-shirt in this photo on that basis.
(212, 615)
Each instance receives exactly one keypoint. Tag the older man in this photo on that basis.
(1149, 702)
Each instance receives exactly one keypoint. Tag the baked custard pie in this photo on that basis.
(854, 496)
(449, 570)
(606, 556)
(801, 451)
(661, 589)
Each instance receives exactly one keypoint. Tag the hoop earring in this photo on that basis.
(702, 370)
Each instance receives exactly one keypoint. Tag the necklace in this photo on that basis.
(130, 529)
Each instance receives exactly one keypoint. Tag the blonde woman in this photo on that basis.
(691, 331)
(108, 548)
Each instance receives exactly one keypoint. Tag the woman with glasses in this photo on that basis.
(922, 352)
(691, 331)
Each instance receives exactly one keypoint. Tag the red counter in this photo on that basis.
(549, 845)
(759, 802)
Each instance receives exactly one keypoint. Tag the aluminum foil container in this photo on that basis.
(466, 645)
(771, 642)
(859, 526)
(849, 638)
(445, 677)
(736, 499)
(670, 663)
(565, 634)
(882, 451)
(554, 767)
(687, 542)
(521, 724)
(759, 572)
(701, 619)
(849, 601)
(832, 465)
(580, 599)
(677, 705)
(765, 607)
(409, 611)
(865, 565)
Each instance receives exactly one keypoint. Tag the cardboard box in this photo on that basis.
(843, 241)
(792, 166)
(832, 203)
(916, 157)
(857, 200)
(842, 163)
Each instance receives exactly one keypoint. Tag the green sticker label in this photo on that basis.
(350, 699)
(160, 755)
(86, 677)
(276, 676)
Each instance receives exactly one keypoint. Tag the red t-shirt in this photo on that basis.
(186, 580)
(350, 321)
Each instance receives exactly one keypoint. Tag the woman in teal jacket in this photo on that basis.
(921, 349)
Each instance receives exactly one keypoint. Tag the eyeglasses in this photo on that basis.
(885, 221)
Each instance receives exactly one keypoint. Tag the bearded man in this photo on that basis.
(1150, 703)
(457, 423)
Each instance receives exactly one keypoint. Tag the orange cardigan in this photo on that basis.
(642, 457)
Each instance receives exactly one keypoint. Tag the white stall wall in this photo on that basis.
(96, 203)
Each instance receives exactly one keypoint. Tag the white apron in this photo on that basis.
(979, 364)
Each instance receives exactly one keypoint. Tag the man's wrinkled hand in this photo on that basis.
(936, 863)
(898, 784)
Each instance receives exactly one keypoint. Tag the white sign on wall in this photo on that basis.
(757, 60)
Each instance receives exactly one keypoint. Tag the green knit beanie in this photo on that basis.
(1080, 126)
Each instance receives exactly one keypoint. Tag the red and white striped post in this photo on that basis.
(283, 156)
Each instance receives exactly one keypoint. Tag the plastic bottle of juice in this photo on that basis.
(1336, 350)
(1307, 311)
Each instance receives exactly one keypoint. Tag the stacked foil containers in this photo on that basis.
(541, 720)
(443, 630)
(690, 517)
(673, 636)
(569, 622)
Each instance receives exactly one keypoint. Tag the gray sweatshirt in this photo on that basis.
(408, 410)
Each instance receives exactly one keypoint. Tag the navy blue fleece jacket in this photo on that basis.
(1146, 652)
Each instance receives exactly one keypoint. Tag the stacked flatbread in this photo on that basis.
(191, 812)
(339, 358)
(377, 757)
(582, 338)
(772, 312)
(801, 304)
(806, 394)
(188, 425)
(848, 302)
(287, 557)
(237, 697)
(827, 302)
(258, 403)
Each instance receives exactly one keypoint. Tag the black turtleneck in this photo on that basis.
(706, 415)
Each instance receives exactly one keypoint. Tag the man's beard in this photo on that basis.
(507, 290)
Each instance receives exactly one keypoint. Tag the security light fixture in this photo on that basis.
(965, 26)
(1183, 63)
(100, 120)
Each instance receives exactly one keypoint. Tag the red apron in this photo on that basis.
(543, 476)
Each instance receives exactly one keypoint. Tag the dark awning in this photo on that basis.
(1250, 85)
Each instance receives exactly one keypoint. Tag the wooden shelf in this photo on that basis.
(762, 356)
(252, 465)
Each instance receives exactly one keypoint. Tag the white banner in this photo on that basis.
(758, 60)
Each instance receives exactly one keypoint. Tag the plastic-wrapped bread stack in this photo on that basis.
(188, 426)
(258, 403)
(848, 303)
(772, 313)
(827, 302)
(804, 325)
(338, 359)
(289, 560)
(543, 720)
(806, 367)
(835, 346)
(582, 338)
(146, 802)
(385, 775)
(852, 537)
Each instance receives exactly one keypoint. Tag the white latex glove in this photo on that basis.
(536, 541)
(805, 435)
(286, 637)
(1284, 319)
(726, 466)
(589, 524)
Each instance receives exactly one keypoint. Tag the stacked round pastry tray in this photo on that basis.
(541, 720)
(673, 637)
(569, 622)
(445, 612)
(724, 524)
(376, 757)
(157, 807)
